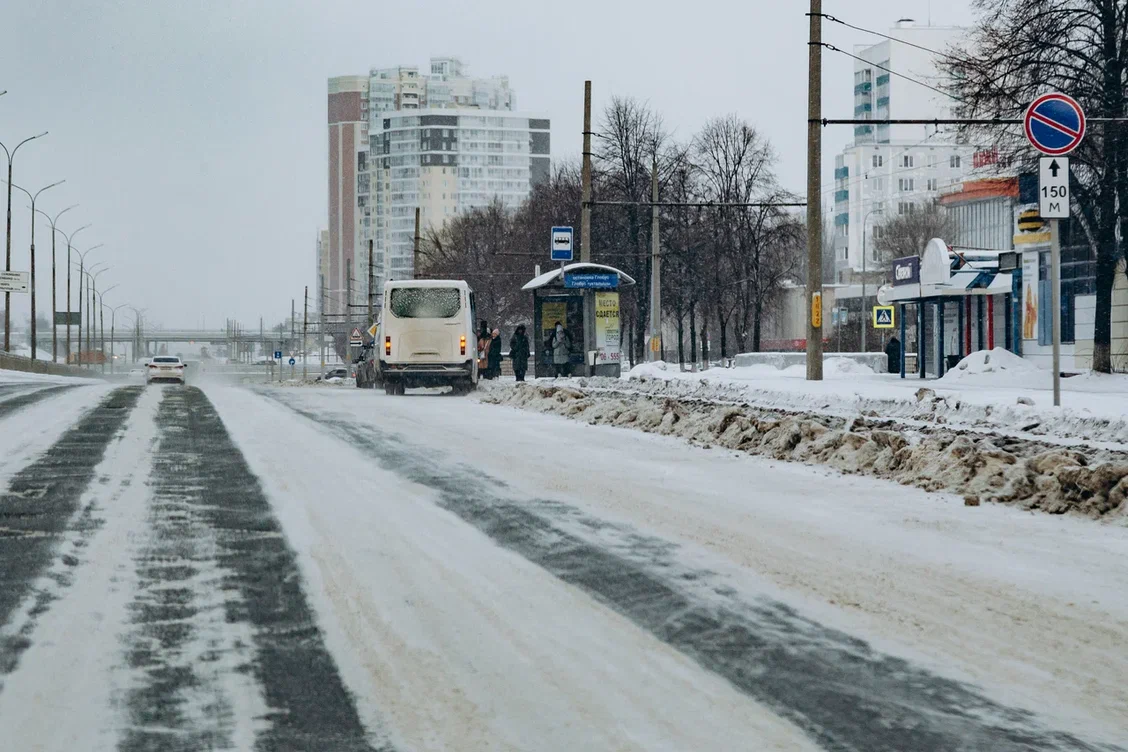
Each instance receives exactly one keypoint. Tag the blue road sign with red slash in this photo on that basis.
(1055, 124)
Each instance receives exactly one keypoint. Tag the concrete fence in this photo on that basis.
(9, 362)
(876, 361)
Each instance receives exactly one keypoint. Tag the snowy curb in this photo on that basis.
(981, 467)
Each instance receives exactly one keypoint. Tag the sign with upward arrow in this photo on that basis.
(1053, 187)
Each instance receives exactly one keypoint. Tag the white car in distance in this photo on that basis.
(165, 368)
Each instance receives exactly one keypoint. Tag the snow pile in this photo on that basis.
(843, 367)
(981, 467)
(1000, 363)
(656, 370)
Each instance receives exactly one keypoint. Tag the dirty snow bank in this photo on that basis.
(981, 467)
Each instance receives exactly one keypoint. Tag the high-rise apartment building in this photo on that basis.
(348, 143)
(892, 169)
(438, 140)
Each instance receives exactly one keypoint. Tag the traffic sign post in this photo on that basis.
(1055, 126)
(355, 339)
(883, 317)
(560, 248)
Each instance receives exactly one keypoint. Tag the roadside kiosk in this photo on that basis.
(584, 299)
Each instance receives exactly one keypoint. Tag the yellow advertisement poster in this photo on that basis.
(551, 312)
(1029, 295)
(607, 334)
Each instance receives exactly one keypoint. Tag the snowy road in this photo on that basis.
(331, 569)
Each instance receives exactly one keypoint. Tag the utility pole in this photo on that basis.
(655, 269)
(293, 334)
(585, 179)
(1055, 305)
(348, 304)
(371, 278)
(305, 331)
(321, 327)
(814, 192)
(415, 248)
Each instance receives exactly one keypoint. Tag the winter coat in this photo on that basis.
(494, 356)
(561, 347)
(519, 351)
(893, 355)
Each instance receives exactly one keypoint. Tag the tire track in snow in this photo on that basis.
(216, 530)
(23, 398)
(39, 505)
(846, 695)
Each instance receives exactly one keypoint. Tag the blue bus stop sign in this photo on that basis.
(278, 355)
(1054, 124)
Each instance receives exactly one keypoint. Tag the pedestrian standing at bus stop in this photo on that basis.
(519, 352)
(494, 354)
(560, 345)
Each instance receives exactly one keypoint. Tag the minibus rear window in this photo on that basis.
(425, 302)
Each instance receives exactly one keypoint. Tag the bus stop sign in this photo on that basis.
(1054, 124)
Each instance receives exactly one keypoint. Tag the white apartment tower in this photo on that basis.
(890, 169)
(440, 140)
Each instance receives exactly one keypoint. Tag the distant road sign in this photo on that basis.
(355, 338)
(1055, 124)
(14, 281)
(278, 355)
(883, 317)
(293, 361)
(1053, 187)
(372, 331)
(62, 318)
(561, 248)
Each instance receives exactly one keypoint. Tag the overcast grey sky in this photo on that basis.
(193, 133)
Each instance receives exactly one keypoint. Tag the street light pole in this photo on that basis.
(102, 319)
(81, 296)
(863, 318)
(70, 263)
(92, 330)
(54, 285)
(33, 197)
(8, 244)
(113, 329)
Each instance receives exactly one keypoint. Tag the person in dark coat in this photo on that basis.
(519, 352)
(494, 355)
(893, 354)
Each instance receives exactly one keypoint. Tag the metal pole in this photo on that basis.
(8, 265)
(113, 328)
(102, 338)
(1055, 303)
(34, 328)
(321, 328)
(348, 304)
(585, 180)
(293, 334)
(655, 270)
(814, 191)
(904, 342)
(414, 256)
(81, 299)
(371, 284)
(305, 326)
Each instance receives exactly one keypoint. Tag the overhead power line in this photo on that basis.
(890, 71)
(907, 43)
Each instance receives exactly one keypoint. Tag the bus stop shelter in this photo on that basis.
(584, 299)
(944, 276)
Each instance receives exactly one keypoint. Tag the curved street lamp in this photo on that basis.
(92, 330)
(102, 323)
(81, 297)
(113, 325)
(54, 286)
(33, 197)
(8, 244)
(70, 246)
(139, 323)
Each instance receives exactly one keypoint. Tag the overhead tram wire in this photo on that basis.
(890, 71)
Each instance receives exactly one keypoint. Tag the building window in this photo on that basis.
(904, 207)
(954, 161)
(932, 160)
(878, 160)
(907, 160)
(905, 185)
(932, 184)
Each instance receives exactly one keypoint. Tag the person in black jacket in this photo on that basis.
(519, 352)
(493, 357)
(893, 355)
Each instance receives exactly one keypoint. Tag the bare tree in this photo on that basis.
(1022, 48)
(906, 234)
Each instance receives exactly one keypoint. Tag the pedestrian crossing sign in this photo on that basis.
(883, 317)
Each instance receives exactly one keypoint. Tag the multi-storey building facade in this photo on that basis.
(439, 140)
(890, 169)
(348, 142)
